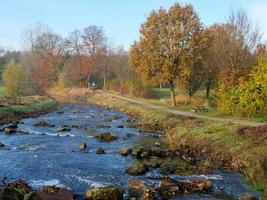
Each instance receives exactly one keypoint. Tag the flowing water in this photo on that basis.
(47, 157)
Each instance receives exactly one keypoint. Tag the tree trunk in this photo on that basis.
(207, 90)
(104, 81)
(160, 86)
(172, 92)
(188, 99)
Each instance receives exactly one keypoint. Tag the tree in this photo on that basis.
(193, 70)
(14, 79)
(164, 42)
(46, 49)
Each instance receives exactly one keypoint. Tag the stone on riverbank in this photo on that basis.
(106, 137)
(125, 152)
(19, 190)
(10, 130)
(104, 193)
(170, 187)
(136, 169)
(53, 193)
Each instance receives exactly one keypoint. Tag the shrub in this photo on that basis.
(137, 88)
(249, 97)
(14, 78)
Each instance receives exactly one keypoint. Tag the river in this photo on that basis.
(46, 157)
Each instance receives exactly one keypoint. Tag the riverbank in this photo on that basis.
(220, 145)
(13, 109)
(217, 145)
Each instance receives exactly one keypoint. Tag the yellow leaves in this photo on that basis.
(165, 39)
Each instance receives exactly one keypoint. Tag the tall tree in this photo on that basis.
(193, 70)
(164, 42)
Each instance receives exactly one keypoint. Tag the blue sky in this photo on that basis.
(121, 19)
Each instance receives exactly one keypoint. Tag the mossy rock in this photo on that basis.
(16, 191)
(104, 193)
(106, 137)
(137, 168)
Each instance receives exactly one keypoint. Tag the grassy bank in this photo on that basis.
(220, 145)
(198, 100)
(15, 108)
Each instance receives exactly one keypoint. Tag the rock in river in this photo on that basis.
(2, 145)
(106, 137)
(125, 151)
(41, 123)
(63, 128)
(104, 193)
(100, 151)
(137, 168)
(83, 146)
(10, 130)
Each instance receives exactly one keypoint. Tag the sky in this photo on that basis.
(121, 19)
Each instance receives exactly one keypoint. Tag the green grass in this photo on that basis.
(11, 111)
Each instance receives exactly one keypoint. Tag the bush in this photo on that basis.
(249, 98)
(137, 88)
(14, 78)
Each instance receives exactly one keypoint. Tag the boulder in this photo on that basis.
(83, 146)
(104, 193)
(41, 123)
(169, 187)
(119, 126)
(11, 126)
(63, 128)
(166, 168)
(137, 189)
(100, 151)
(106, 137)
(157, 144)
(137, 151)
(2, 145)
(125, 151)
(18, 190)
(53, 193)
(10, 130)
(136, 169)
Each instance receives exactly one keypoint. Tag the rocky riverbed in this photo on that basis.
(99, 153)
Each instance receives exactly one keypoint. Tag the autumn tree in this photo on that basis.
(193, 71)
(164, 41)
(46, 49)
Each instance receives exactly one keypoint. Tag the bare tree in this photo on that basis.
(94, 39)
(74, 42)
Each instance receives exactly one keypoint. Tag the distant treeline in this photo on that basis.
(174, 48)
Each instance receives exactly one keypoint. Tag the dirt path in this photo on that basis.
(185, 113)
